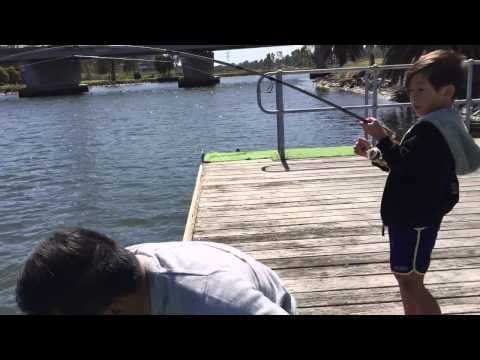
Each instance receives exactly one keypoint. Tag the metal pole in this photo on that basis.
(280, 124)
(374, 94)
(367, 85)
(469, 92)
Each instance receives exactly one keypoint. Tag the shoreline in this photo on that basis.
(386, 92)
(13, 89)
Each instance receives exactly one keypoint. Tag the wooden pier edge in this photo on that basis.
(192, 213)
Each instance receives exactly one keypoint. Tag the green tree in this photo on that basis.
(130, 66)
(164, 64)
(103, 66)
(4, 78)
(268, 62)
(13, 75)
(407, 54)
(88, 69)
(342, 53)
(302, 57)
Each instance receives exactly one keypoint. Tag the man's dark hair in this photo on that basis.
(76, 271)
(441, 67)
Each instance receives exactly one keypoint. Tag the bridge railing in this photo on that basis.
(370, 77)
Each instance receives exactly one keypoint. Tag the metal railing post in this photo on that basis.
(468, 114)
(366, 82)
(374, 94)
(374, 91)
(280, 123)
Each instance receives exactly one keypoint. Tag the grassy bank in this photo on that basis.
(118, 82)
(6, 89)
(92, 82)
(235, 72)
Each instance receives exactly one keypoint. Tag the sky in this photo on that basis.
(240, 55)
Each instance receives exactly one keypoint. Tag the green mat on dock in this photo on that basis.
(302, 153)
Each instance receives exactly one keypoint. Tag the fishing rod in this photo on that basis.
(194, 56)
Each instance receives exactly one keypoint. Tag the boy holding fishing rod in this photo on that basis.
(422, 185)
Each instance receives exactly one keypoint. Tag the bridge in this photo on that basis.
(63, 75)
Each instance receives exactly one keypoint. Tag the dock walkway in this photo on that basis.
(318, 226)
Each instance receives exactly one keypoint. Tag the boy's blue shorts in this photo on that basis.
(411, 248)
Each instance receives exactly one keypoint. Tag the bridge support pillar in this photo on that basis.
(49, 78)
(198, 72)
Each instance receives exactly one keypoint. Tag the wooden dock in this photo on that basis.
(318, 226)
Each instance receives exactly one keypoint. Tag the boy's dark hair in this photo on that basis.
(441, 67)
(76, 271)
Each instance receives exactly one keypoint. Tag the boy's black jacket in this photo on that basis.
(422, 185)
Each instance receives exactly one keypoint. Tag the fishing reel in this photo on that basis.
(375, 156)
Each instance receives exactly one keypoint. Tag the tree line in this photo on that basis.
(9, 75)
(308, 56)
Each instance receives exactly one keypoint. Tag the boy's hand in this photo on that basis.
(361, 147)
(373, 128)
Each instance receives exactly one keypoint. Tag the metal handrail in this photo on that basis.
(373, 69)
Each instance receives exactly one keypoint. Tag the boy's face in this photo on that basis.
(425, 98)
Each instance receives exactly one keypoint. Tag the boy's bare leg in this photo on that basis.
(409, 306)
(416, 299)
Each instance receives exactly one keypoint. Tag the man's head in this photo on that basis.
(77, 271)
(434, 80)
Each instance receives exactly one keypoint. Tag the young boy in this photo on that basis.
(422, 185)
(80, 271)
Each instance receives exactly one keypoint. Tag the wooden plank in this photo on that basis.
(233, 223)
(282, 193)
(317, 198)
(302, 185)
(310, 232)
(347, 249)
(316, 184)
(333, 209)
(448, 306)
(322, 229)
(279, 192)
(315, 204)
(324, 272)
(314, 207)
(327, 174)
(372, 212)
(295, 180)
(385, 294)
(327, 182)
(192, 213)
(375, 281)
(217, 171)
(219, 175)
(353, 239)
(367, 258)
